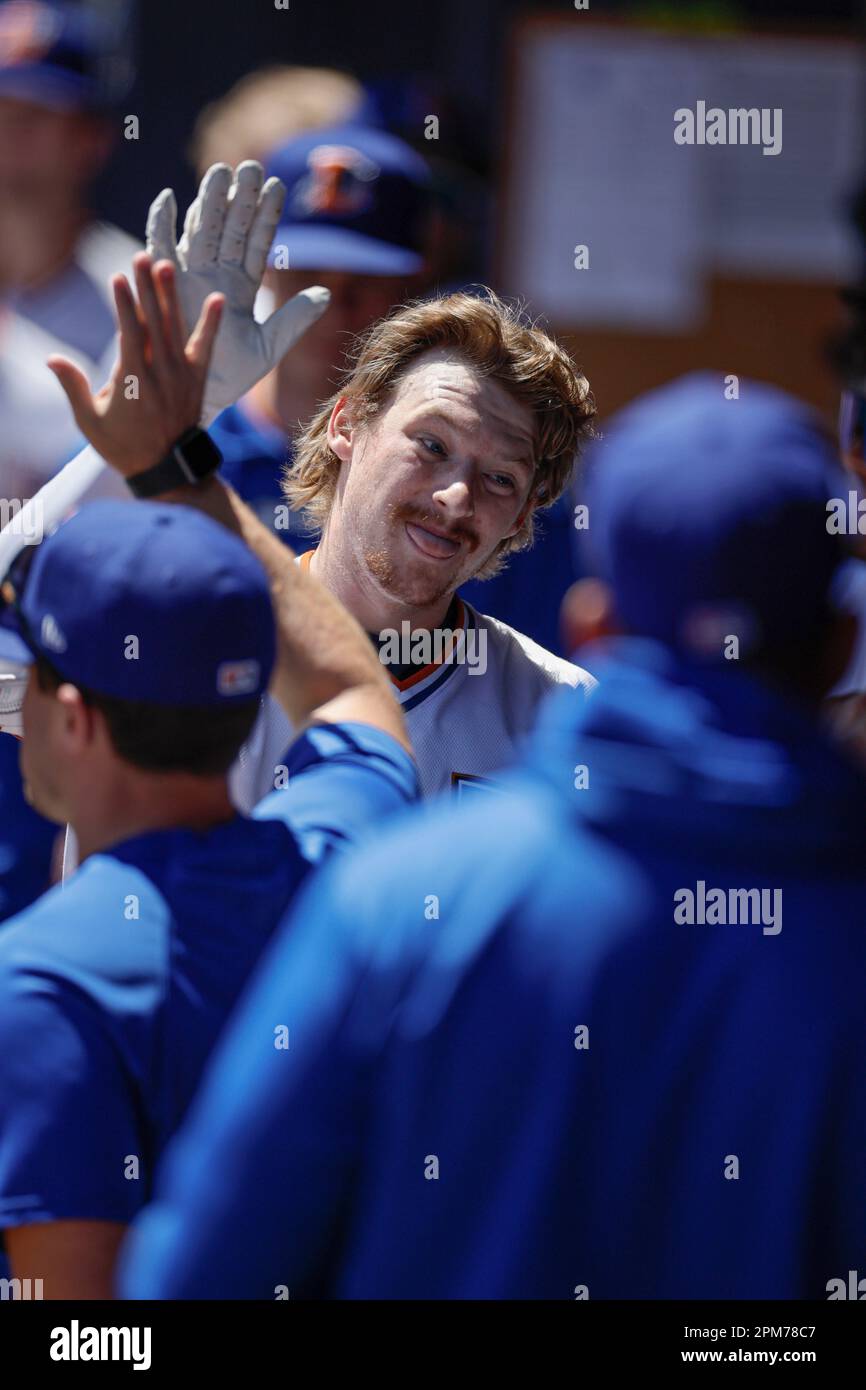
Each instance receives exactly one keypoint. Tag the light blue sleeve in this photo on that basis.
(343, 781)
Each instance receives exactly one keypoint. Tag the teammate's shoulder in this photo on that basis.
(447, 888)
(438, 848)
(523, 653)
(106, 917)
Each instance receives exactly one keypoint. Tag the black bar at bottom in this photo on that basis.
(247, 1338)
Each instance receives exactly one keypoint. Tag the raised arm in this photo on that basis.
(227, 234)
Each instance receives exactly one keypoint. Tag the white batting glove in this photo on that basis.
(226, 239)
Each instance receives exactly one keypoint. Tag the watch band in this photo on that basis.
(191, 459)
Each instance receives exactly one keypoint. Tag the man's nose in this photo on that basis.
(456, 497)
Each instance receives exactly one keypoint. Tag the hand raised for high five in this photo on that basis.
(156, 390)
(224, 248)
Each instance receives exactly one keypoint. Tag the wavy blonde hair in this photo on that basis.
(493, 337)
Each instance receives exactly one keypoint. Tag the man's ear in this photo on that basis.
(79, 720)
(528, 507)
(587, 614)
(340, 429)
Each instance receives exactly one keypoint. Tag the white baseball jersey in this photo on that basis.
(466, 713)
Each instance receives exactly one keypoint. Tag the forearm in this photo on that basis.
(326, 666)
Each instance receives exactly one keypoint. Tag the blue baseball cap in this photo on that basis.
(55, 55)
(708, 516)
(357, 199)
(143, 601)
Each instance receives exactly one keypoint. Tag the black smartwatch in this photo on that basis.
(191, 459)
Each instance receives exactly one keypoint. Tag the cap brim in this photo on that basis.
(52, 88)
(321, 247)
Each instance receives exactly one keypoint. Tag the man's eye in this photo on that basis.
(432, 445)
(502, 480)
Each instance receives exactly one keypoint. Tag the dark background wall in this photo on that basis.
(449, 59)
(452, 51)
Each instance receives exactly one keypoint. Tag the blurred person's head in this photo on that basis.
(708, 526)
(48, 156)
(457, 421)
(54, 132)
(149, 637)
(270, 106)
(54, 135)
(355, 220)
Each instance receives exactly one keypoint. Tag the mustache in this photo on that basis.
(461, 532)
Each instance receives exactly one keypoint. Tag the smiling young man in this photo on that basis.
(457, 422)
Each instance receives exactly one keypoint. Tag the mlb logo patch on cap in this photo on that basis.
(238, 677)
(338, 182)
(357, 200)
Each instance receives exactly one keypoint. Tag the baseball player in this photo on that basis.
(456, 423)
(149, 636)
(581, 1068)
(61, 84)
(423, 470)
(357, 220)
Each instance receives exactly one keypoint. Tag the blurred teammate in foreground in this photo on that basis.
(149, 634)
(600, 1036)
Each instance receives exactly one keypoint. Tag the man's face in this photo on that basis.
(45, 151)
(41, 754)
(436, 480)
(356, 302)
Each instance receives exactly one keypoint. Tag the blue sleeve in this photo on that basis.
(343, 781)
(68, 1126)
(252, 1191)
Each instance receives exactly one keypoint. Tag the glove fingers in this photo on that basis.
(242, 203)
(265, 223)
(190, 222)
(203, 237)
(161, 235)
(284, 327)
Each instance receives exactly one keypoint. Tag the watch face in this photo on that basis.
(191, 458)
(199, 453)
